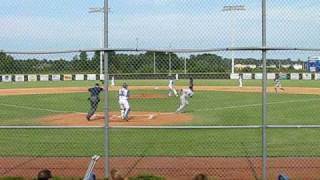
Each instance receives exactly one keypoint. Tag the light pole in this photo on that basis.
(99, 10)
(233, 8)
(154, 62)
(170, 60)
(185, 65)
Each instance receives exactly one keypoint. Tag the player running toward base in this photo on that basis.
(185, 94)
(172, 89)
(277, 83)
(94, 100)
(123, 102)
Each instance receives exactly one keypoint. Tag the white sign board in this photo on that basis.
(101, 76)
(32, 77)
(19, 78)
(234, 76)
(55, 77)
(247, 76)
(271, 76)
(294, 76)
(44, 77)
(91, 77)
(6, 78)
(317, 76)
(67, 77)
(79, 77)
(258, 76)
(306, 76)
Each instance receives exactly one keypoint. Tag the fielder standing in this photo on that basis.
(172, 89)
(94, 100)
(185, 94)
(240, 79)
(277, 83)
(123, 102)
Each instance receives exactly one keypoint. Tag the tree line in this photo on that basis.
(125, 63)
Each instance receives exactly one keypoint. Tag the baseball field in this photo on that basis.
(162, 151)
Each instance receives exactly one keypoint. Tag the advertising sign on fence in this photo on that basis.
(101, 76)
(283, 76)
(234, 76)
(67, 77)
(271, 76)
(247, 76)
(19, 78)
(306, 76)
(91, 77)
(258, 76)
(317, 76)
(55, 77)
(294, 76)
(32, 77)
(79, 77)
(44, 77)
(6, 78)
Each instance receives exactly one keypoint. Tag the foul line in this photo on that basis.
(255, 105)
(39, 109)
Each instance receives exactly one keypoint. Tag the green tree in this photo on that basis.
(6, 63)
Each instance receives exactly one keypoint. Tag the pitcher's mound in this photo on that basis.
(135, 119)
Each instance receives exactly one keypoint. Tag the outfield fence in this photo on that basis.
(241, 123)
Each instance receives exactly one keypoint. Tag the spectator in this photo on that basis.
(200, 177)
(44, 174)
(115, 175)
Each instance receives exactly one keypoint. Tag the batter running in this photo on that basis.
(123, 102)
(185, 94)
(94, 100)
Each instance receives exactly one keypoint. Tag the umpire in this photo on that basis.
(94, 99)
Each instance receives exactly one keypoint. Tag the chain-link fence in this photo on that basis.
(184, 94)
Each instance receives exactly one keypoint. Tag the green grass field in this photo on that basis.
(285, 83)
(206, 108)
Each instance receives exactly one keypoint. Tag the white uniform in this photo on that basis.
(277, 83)
(171, 88)
(184, 99)
(240, 80)
(112, 81)
(123, 102)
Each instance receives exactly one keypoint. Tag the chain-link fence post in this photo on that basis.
(106, 85)
(264, 93)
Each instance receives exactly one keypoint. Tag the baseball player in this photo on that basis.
(123, 102)
(240, 80)
(185, 94)
(277, 83)
(172, 89)
(191, 82)
(94, 100)
(112, 81)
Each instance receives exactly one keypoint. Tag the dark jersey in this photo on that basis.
(95, 91)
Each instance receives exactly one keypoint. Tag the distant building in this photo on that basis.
(242, 66)
(297, 66)
(272, 66)
(286, 66)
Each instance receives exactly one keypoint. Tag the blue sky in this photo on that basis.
(66, 24)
